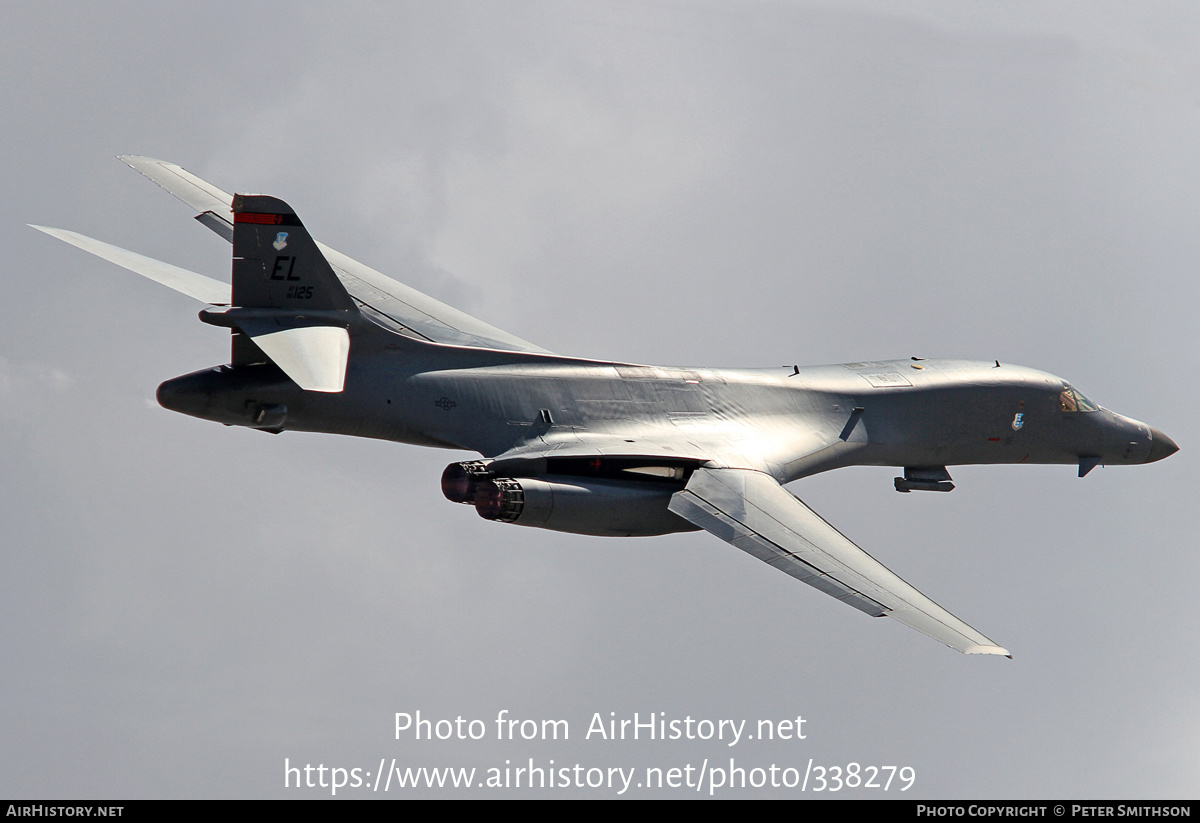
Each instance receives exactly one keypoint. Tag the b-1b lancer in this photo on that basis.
(323, 343)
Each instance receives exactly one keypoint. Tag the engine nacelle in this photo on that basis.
(607, 508)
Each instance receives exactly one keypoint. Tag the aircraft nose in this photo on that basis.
(1161, 446)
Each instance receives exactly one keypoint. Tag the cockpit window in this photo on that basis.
(1072, 400)
(1084, 403)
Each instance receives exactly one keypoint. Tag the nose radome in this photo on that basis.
(1161, 446)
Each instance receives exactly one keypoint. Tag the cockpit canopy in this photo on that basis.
(1073, 400)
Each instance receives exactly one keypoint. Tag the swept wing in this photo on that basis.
(415, 314)
(197, 286)
(754, 513)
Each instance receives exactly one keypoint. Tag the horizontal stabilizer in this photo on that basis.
(197, 286)
(751, 511)
(313, 356)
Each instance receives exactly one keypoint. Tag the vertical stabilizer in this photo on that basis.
(276, 264)
(288, 305)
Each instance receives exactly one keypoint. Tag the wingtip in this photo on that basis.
(138, 162)
(60, 234)
(987, 650)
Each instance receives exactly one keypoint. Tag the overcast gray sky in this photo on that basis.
(704, 183)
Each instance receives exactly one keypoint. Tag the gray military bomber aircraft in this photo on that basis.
(322, 343)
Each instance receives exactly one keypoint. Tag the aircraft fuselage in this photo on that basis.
(892, 413)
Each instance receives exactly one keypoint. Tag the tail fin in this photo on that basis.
(286, 297)
(276, 263)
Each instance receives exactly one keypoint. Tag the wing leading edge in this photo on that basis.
(754, 513)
